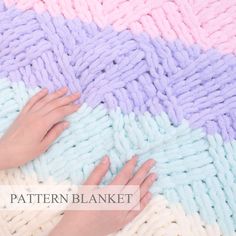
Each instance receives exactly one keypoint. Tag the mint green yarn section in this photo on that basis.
(194, 169)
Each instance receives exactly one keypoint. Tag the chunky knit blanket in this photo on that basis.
(157, 79)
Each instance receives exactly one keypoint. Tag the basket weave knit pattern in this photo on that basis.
(157, 78)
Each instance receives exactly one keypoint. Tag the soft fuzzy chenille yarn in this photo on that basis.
(157, 79)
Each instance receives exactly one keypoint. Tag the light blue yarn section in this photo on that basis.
(194, 169)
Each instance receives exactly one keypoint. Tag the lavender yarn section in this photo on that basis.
(119, 69)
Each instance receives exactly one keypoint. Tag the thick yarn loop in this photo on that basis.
(160, 218)
(167, 93)
(207, 23)
(195, 170)
(135, 73)
(26, 223)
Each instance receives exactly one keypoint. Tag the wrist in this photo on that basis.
(75, 226)
(5, 160)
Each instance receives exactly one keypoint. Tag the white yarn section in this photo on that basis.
(159, 218)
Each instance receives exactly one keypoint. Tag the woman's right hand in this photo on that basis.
(101, 223)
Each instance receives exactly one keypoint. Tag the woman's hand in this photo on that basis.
(101, 223)
(39, 124)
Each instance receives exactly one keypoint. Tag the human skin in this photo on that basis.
(101, 223)
(38, 125)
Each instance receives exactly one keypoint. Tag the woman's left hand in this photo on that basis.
(38, 125)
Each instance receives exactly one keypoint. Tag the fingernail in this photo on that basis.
(66, 124)
(135, 157)
(153, 162)
(44, 90)
(77, 106)
(63, 89)
(105, 160)
(154, 176)
(76, 94)
(149, 195)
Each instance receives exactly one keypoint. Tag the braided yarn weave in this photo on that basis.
(157, 78)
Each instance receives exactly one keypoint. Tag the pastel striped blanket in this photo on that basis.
(157, 78)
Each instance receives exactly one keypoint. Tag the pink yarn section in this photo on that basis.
(209, 23)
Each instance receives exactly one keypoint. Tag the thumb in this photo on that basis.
(54, 133)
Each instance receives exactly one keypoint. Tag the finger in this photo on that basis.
(36, 98)
(147, 183)
(53, 134)
(50, 97)
(99, 172)
(143, 203)
(126, 173)
(59, 114)
(59, 102)
(142, 172)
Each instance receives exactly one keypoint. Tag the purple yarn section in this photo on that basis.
(119, 69)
